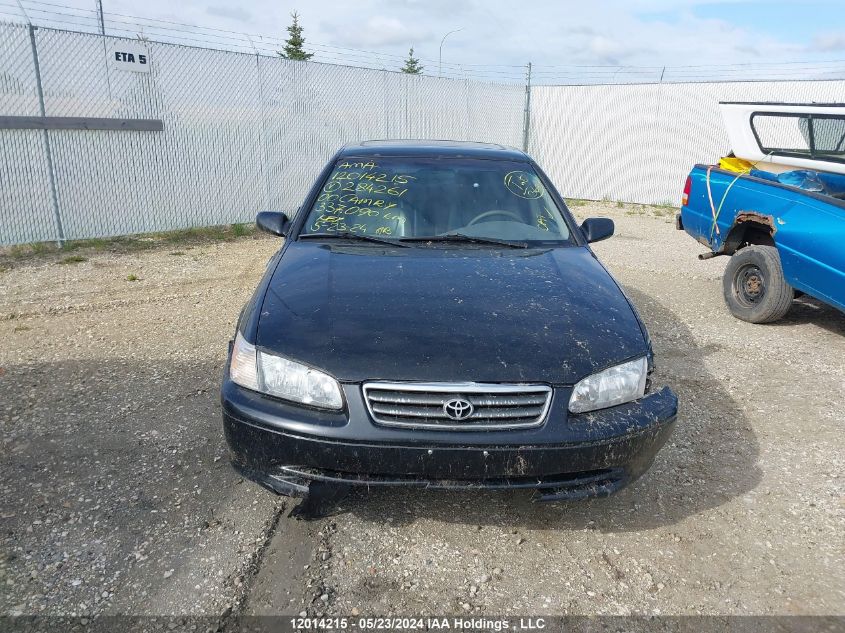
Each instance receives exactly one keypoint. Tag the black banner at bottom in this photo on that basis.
(450, 623)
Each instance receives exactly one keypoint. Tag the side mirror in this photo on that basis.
(597, 229)
(273, 222)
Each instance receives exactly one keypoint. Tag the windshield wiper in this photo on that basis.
(346, 235)
(461, 237)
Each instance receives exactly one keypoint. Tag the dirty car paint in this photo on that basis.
(548, 314)
(364, 313)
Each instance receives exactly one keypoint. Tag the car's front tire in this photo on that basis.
(754, 286)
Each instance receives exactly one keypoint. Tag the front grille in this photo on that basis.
(425, 405)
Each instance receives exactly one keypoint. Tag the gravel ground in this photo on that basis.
(117, 496)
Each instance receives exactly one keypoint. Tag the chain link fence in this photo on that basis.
(241, 133)
(246, 132)
(637, 143)
(26, 208)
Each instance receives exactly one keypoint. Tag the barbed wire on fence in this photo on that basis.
(237, 131)
(63, 16)
(243, 130)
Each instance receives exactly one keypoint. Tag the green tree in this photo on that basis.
(412, 64)
(295, 42)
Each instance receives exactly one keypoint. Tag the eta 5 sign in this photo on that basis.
(132, 56)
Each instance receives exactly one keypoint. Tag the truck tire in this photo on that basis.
(754, 285)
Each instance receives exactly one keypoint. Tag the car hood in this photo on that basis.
(362, 312)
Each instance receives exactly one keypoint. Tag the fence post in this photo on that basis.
(526, 122)
(468, 117)
(386, 99)
(406, 84)
(51, 173)
(265, 162)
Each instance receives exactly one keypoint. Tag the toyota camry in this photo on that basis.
(435, 317)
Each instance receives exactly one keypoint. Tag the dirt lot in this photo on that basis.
(116, 495)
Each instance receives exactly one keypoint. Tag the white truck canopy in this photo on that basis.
(781, 136)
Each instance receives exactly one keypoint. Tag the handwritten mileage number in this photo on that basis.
(351, 187)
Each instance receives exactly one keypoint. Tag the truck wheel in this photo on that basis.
(754, 286)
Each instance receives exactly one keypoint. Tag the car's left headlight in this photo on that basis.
(282, 377)
(615, 385)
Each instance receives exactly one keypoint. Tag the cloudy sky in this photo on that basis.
(507, 34)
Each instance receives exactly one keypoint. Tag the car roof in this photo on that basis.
(432, 149)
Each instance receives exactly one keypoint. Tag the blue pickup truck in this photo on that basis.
(783, 228)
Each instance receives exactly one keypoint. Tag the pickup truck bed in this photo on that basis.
(788, 240)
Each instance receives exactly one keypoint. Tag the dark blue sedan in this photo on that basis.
(436, 318)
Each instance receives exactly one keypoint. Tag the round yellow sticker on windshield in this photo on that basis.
(523, 184)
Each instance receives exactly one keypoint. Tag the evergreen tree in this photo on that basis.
(295, 43)
(412, 64)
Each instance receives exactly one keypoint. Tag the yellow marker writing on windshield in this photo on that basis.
(523, 184)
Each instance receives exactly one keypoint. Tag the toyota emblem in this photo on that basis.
(458, 408)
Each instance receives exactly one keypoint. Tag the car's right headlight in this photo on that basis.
(282, 377)
(615, 385)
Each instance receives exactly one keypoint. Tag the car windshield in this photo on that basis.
(412, 198)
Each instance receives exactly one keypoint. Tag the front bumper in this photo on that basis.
(285, 447)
